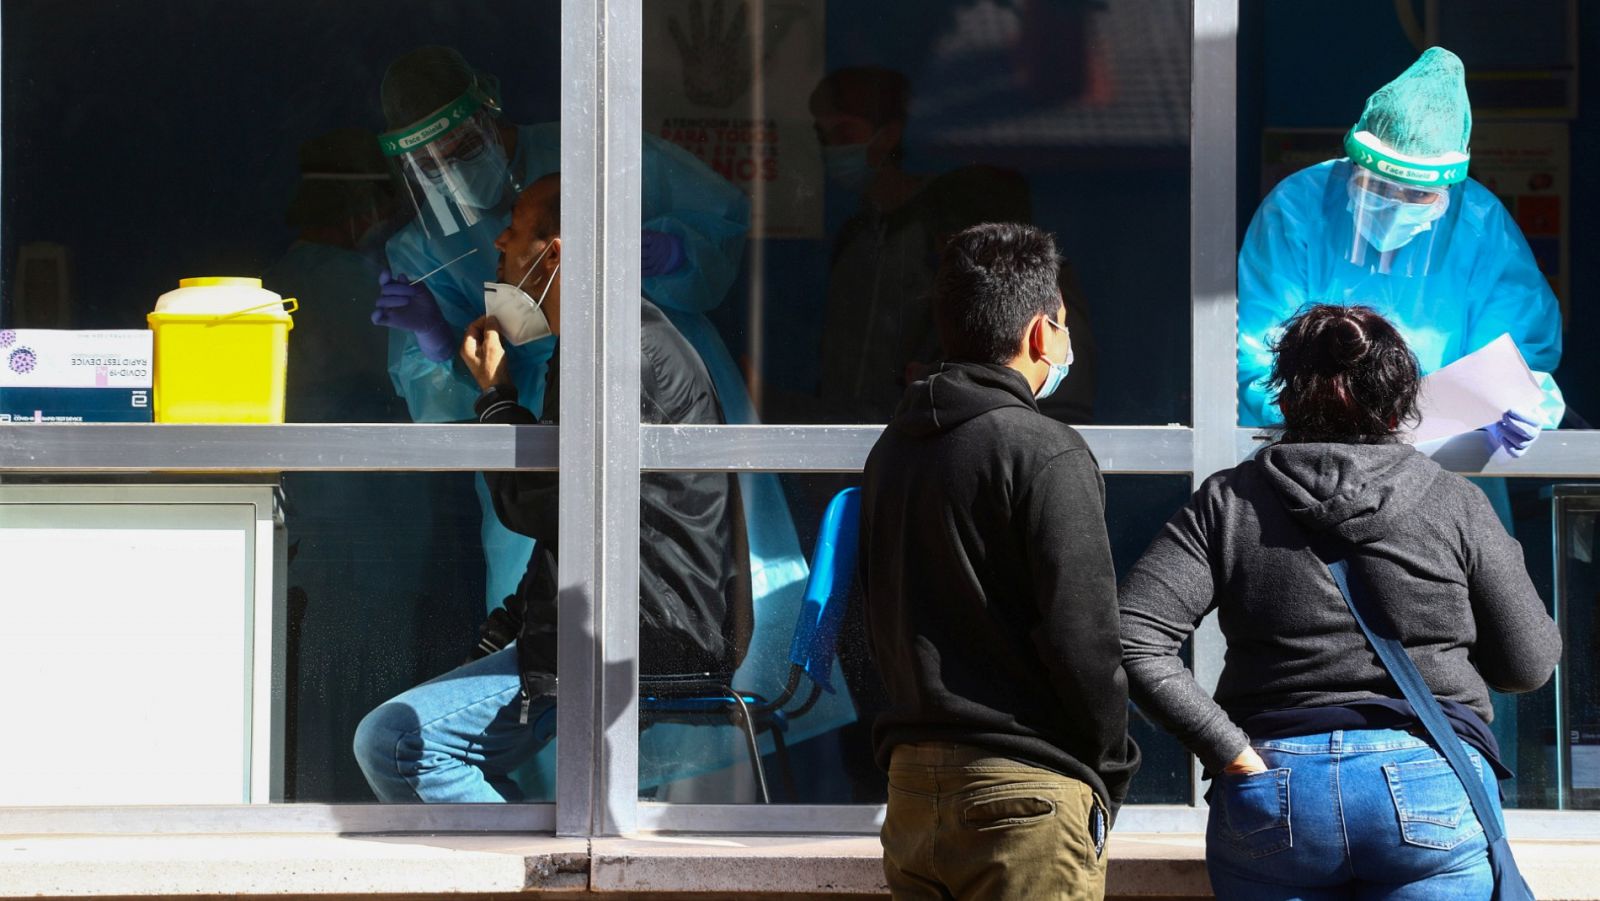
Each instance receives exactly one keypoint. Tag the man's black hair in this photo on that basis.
(993, 279)
(549, 224)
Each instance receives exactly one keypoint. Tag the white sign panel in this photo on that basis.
(731, 83)
(125, 654)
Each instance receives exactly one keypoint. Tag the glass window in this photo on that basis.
(859, 137)
(311, 146)
(243, 140)
(1499, 261)
(811, 706)
(1300, 94)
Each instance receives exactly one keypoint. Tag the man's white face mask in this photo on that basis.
(521, 317)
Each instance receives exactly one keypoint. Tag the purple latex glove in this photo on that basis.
(411, 307)
(660, 253)
(1514, 433)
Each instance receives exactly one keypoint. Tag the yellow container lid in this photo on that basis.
(219, 281)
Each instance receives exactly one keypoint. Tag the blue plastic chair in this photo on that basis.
(704, 700)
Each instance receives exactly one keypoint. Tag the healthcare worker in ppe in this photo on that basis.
(462, 165)
(342, 201)
(1397, 225)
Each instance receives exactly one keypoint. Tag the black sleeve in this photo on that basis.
(525, 501)
(1075, 590)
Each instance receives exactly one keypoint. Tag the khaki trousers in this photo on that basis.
(963, 823)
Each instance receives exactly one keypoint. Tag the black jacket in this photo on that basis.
(1450, 582)
(694, 565)
(991, 601)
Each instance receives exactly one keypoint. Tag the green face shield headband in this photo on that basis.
(433, 127)
(1366, 151)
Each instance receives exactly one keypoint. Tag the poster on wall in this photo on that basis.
(1526, 164)
(731, 82)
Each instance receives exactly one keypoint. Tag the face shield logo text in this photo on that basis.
(1415, 175)
(425, 135)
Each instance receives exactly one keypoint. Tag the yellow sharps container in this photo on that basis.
(221, 351)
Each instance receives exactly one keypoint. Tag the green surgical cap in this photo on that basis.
(1424, 112)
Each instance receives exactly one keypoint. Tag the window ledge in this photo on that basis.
(1142, 865)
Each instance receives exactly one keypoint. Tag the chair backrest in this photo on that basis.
(833, 571)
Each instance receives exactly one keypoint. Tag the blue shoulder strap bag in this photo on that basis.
(1508, 882)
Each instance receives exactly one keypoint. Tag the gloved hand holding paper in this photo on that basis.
(1476, 391)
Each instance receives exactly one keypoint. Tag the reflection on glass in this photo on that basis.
(340, 209)
(823, 753)
(1578, 611)
(867, 135)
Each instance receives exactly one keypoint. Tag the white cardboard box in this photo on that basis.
(63, 358)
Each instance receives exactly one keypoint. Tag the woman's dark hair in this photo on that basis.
(1343, 374)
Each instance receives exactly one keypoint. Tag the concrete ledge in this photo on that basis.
(288, 865)
(760, 864)
(1142, 866)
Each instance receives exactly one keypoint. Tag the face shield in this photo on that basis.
(1396, 205)
(454, 166)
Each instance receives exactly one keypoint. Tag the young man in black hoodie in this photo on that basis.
(991, 601)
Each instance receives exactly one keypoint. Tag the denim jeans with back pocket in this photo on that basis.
(1357, 814)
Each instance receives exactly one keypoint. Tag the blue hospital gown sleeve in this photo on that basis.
(1272, 286)
(433, 391)
(1514, 297)
(683, 197)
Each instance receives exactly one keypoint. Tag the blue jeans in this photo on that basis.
(1358, 814)
(456, 738)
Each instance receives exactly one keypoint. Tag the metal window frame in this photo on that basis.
(601, 449)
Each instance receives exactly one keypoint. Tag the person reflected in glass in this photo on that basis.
(460, 737)
(990, 600)
(1396, 224)
(462, 165)
(878, 329)
(340, 210)
(1304, 715)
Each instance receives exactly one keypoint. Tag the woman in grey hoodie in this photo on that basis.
(1304, 715)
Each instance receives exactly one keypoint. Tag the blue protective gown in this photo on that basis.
(1480, 282)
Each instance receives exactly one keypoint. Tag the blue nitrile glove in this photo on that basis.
(411, 307)
(1514, 433)
(660, 253)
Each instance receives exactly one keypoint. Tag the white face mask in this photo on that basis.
(521, 317)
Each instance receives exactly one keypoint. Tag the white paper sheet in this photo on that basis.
(1475, 391)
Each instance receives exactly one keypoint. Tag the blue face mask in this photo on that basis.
(1058, 371)
(846, 166)
(480, 182)
(1389, 224)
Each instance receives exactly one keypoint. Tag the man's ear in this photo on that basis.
(553, 255)
(1035, 338)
